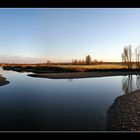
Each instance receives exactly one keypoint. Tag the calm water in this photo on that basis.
(28, 103)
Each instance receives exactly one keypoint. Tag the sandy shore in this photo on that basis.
(124, 114)
(76, 75)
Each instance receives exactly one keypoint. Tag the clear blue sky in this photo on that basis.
(38, 35)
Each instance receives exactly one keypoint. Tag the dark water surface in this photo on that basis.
(28, 103)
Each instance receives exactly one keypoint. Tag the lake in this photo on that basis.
(43, 104)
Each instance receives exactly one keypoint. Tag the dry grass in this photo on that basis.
(100, 66)
(97, 66)
(64, 68)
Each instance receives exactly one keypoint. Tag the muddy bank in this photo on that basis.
(40, 69)
(73, 75)
(3, 81)
(124, 114)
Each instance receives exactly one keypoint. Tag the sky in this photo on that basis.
(34, 35)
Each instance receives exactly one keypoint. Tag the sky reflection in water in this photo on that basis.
(46, 104)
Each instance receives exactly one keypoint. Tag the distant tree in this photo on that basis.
(101, 62)
(79, 62)
(83, 62)
(88, 60)
(74, 62)
(95, 61)
(127, 56)
(48, 62)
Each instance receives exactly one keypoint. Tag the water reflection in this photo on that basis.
(130, 83)
(70, 80)
(47, 104)
(3, 81)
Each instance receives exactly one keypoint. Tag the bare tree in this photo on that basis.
(48, 62)
(137, 57)
(127, 56)
(123, 58)
(95, 61)
(83, 62)
(130, 56)
(88, 60)
(74, 62)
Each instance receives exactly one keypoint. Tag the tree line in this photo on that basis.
(86, 61)
(130, 58)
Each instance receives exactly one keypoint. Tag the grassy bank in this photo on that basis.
(63, 68)
(97, 66)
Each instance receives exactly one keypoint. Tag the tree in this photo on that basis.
(75, 62)
(123, 58)
(127, 56)
(101, 61)
(88, 60)
(79, 62)
(137, 57)
(48, 62)
(130, 56)
(95, 61)
(83, 62)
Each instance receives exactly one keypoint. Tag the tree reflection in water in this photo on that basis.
(130, 83)
(138, 81)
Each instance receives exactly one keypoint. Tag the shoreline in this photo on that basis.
(77, 75)
(123, 114)
(59, 72)
(3, 81)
